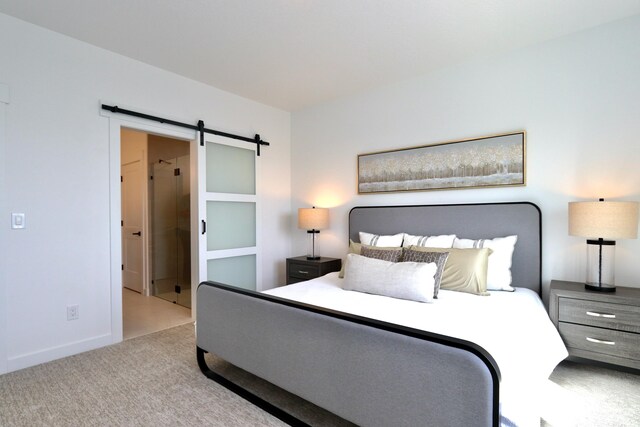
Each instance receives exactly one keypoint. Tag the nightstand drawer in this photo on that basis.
(303, 271)
(601, 314)
(603, 341)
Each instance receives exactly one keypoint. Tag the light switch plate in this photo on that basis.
(17, 221)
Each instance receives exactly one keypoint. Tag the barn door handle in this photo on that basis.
(139, 233)
(204, 226)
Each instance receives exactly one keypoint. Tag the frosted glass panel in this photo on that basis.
(230, 169)
(231, 225)
(237, 271)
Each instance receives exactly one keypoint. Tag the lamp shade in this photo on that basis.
(606, 220)
(313, 218)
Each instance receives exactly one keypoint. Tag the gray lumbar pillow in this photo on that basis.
(405, 280)
(438, 258)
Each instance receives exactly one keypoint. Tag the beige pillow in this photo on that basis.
(405, 280)
(499, 267)
(465, 269)
(356, 248)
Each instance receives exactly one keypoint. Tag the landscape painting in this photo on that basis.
(490, 161)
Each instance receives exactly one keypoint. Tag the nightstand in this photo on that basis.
(300, 268)
(598, 326)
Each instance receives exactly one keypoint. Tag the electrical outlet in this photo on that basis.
(73, 312)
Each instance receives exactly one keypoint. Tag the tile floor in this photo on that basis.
(184, 299)
(143, 315)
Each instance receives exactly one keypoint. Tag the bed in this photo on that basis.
(365, 357)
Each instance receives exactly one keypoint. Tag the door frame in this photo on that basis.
(4, 231)
(116, 123)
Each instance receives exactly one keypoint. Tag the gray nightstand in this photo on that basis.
(300, 268)
(598, 326)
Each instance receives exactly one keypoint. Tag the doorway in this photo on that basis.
(156, 233)
(170, 229)
(210, 202)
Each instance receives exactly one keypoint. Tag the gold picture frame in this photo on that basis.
(484, 162)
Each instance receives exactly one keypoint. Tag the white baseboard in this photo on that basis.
(47, 355)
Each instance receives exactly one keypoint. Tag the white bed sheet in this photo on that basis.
(512, 326)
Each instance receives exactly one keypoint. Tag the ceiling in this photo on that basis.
(295, 53)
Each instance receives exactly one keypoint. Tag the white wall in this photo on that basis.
(577, 97)
(132, 143)
(166, 148)
(57, 172)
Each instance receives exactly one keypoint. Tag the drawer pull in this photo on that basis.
(596, 314)
(303, 272)
(597, 341)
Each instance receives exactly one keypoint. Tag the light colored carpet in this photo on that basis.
(154, 380)
(587, 395)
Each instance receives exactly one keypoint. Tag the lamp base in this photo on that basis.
(312, 254)
(600, 263)
(600, 288)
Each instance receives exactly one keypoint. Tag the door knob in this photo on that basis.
(139, 233)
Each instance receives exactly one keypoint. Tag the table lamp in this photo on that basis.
(313, 220)
(601, 222)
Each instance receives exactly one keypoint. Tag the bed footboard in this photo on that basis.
(368, 372)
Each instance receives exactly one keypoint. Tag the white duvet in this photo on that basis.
(512, 326)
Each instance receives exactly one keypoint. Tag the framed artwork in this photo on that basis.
(489, 161)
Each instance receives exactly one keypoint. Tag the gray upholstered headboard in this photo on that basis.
(472, 221)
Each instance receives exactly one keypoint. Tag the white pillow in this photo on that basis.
(405, 280)
(499, 268)
(442, 241)
(394, 241)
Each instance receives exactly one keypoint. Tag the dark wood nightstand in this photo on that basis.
(598, 326)
(300, 268)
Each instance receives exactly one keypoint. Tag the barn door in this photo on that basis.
(228, 213)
